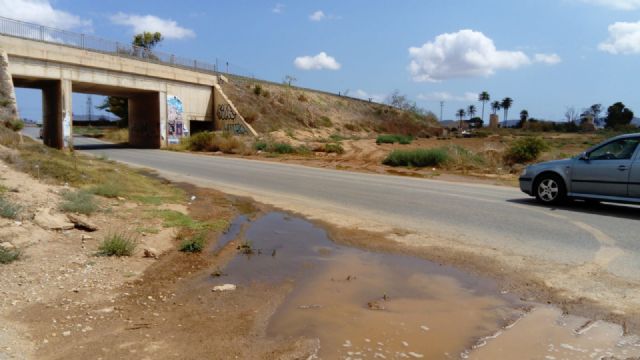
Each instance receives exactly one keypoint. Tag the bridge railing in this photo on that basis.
(46, 34)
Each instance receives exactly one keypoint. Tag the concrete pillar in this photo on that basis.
(52, 114)
(8, 105)
(494, 121)
(67, 112)
(57, 114)
(144, 120)
(163, 118)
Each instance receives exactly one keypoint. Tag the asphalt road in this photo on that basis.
(493, 216)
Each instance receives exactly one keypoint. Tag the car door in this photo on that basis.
(606, 169)
(634, 176)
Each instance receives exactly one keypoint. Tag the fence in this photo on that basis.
(46, 34)
(20, 29)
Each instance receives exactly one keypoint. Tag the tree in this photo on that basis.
(475, 123)
(117, 106)
(471, 111)
(288, 79)
(505, 105)
(596, 109)
(147, 40)
(524, 116)
(571, 114)
(483, 97)
(461, 114)
(495, 106)
(618, 115)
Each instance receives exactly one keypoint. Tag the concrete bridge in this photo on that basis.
(165, 94)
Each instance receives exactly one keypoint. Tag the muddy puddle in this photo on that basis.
(367, 305)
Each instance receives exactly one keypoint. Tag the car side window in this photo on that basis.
(622, 149)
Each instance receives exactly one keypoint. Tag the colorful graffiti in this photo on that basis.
(176, 127)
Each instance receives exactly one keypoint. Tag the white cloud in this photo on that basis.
(278, 9)
(466, 53)
(41, 12)
(616, 4)
(624, 38)
(141, 23)
(318, 62)
(317, 16)
(361, 94)
(549, 59)
(447, 96)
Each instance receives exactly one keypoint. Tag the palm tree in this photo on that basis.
(495, 106)
(460, 114)
(483, 97)
(524, 115)
(506, 104)
(471, 110)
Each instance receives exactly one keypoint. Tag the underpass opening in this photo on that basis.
(52, 110)
(140, 113)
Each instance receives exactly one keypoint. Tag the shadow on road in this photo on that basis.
(100, 146)
(603, 209)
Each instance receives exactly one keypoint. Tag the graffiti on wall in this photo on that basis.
(230, 121)
(225, 112)
(66, 129)
(176, 127)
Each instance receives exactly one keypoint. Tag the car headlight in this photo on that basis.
(524, 171)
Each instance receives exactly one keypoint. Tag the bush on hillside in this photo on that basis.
(14, 124)
(394, 138)
(525, 150)
(417, 157)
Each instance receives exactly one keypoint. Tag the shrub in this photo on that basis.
(351, 127)
(257, 89)
(336, 137)
(302, 98)
(117, 244)
(525, 150)
(80, 201)
(201, 141)
(14, 124)
(9, 255)
(8, 210)
(325, 121)
(461, 158)
(260, 145)
(108, 189)
(194, 244)
(417, 157)
(392, 139)
(209, 141)
(282, 148)
(334, 148)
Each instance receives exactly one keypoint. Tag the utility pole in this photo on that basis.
(441, 107)
(89, 109)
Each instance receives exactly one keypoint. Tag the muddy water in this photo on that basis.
(361, 304)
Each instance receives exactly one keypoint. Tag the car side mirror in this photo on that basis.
(584, 156)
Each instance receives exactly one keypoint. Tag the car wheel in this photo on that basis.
(550, 189)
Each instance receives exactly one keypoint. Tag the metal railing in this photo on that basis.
(24, 30)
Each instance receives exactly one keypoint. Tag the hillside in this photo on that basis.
(271, 107)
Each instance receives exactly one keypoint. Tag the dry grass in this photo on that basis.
(60, 167)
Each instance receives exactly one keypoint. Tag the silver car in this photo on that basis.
(609, 171)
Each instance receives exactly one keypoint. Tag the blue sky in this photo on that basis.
(545, 54)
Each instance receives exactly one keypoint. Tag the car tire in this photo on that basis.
(550, 189)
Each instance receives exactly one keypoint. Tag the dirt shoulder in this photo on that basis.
(61, 301)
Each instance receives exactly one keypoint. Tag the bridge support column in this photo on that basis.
(144, 120)
(57, 113)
